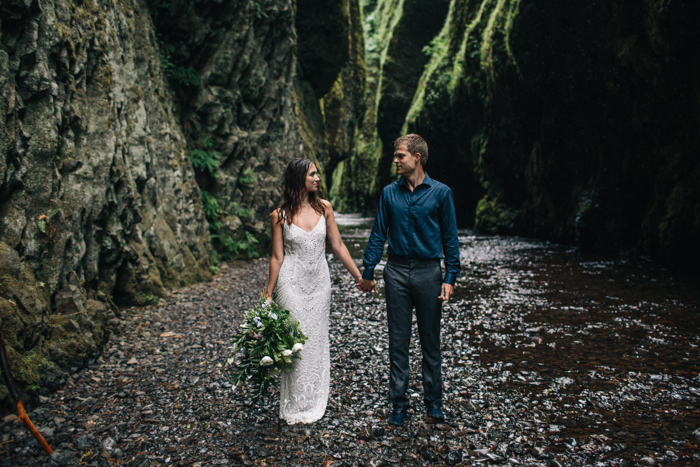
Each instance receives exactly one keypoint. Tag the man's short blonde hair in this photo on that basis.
(415, 145)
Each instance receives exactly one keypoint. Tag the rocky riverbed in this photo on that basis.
(527, 380)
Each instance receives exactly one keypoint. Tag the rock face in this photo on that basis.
(580, 121)
(277, 80)
(99, 199)
(95, 177)
(331, 88)
(396, 31)
(242, 54)
(104, 107)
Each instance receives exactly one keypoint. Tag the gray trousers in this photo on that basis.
(409, 284)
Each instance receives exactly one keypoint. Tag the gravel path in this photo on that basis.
(160, 395)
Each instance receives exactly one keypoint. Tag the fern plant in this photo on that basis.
(247, 177)
(211, 206)
(242, 242)
(183, 75)
(206, 159)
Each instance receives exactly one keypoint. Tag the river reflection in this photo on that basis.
(596, 349)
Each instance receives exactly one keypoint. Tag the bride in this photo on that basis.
(300, 281)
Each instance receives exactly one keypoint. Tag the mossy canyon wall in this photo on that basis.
(143, 141)
(572, 121)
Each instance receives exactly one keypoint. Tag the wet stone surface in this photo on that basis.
(550, 359)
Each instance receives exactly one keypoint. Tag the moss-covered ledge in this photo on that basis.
(45, 343)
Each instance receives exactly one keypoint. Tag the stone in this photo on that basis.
(454, 457)
(428, 454)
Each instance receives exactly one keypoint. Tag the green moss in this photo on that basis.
(337, 193)
(139, 281)
(27, 368)
(495, 44)
(494, 217)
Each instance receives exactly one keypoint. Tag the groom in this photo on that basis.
(417, 215)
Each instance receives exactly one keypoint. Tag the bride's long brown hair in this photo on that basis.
(294, 185)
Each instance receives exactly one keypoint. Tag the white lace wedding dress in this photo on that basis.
(304, 288)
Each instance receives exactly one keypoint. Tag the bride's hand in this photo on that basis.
(366, 285)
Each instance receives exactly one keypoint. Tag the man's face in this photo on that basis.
(405, 161)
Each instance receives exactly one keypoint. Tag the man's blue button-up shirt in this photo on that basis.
(420, 224)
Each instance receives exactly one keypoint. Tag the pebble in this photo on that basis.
(10, 418)
(428, 454)
(454, 457)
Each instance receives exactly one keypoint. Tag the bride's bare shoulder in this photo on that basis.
(276, 215)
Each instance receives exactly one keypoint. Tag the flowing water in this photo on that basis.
(595, 350)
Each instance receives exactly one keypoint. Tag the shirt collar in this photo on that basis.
(426, 181)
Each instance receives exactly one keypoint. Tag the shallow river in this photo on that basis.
(602, 349)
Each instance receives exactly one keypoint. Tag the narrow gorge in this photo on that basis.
(142, 142)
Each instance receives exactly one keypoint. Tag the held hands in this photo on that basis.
(446, 292)
(366, 285)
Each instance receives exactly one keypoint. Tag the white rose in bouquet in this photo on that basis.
(287, 353)
(297, 347)
(266, 361)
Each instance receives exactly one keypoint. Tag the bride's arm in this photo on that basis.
(277, 256)
(339, 249)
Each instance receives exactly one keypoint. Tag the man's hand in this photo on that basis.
(446, 292)
(366, 285)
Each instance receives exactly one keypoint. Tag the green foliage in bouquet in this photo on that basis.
(269, 342)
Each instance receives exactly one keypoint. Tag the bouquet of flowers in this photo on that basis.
(269, 341)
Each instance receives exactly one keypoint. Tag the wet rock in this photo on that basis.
(495, 458)
(83, 442)
(47, 433)
(650, 461)
(428, 454)
(242, 458)
(10, 418)
(141, 460)
(541, 453)
(365, 433)
(108, 443)
(454, 457)
(473, 407)
(515, 448)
